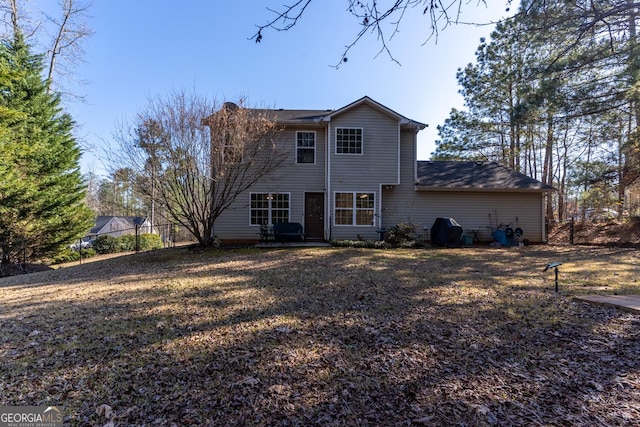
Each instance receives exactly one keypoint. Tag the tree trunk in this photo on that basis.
(547, 172)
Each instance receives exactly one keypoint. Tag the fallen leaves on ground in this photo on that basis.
(472, 336)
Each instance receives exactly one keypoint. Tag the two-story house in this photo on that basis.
(352, 172)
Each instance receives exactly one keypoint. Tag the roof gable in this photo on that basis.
(376, 105)
(459, 175)
(127, 221)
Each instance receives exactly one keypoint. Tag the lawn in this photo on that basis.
(324, 336)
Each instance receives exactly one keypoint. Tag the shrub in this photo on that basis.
(69, 255)
(150, 242)
(401, 235)
(126, 243)
(369, 244)
(105, 244)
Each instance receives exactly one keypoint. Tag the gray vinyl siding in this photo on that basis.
(471, 209)
(292, 178)
(478, 211)
(363, 173)
(378, 162)
(399, 203)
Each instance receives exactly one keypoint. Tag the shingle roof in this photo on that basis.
(301, 116)
(101, 221)
(452, 175)
(286, 116)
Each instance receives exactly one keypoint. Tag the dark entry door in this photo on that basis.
(314, 215)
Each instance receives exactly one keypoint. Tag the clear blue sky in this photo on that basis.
(146, 48)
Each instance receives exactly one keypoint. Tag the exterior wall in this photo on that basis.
(117, 227)
(386, 168)
(291, 178)
(482, 211)
(399, 203)
(471, 209)
(478, 211)
(363, 173)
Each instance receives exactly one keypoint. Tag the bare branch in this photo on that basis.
(202, 155)
(284, 20)
(66, 44)
(372, 19)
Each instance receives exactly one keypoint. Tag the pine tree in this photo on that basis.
(42, 204)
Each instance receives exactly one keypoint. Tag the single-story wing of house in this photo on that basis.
(350, 173)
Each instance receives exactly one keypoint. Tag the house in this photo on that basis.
(119, 225)
(352, 172)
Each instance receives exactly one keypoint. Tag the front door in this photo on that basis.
(314, 215)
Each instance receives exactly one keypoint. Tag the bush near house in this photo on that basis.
(126, 243)
(106, 244)
(149, 242)
(70, 255)
(402, 235)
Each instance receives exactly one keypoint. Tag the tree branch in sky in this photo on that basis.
(372, 18)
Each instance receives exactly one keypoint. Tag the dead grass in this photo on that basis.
(472, 336)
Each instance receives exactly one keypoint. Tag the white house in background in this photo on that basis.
(120, 225)
(352, 172)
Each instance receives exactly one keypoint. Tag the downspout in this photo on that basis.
(399, 153)
(543, 213)
(328, 209)
(415, 159)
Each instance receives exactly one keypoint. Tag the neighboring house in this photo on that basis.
(352, 172)
(119, 225)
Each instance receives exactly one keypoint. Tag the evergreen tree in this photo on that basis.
(42, 204)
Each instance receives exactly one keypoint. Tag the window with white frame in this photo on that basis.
(305, 147)
(269, 208)
(349, 140)
(354, 208)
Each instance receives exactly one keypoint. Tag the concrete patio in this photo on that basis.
(629, 303)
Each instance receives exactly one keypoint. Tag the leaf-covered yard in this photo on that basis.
(324, 336)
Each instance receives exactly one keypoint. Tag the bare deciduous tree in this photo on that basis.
(194, 156)
(66, 48)
(61, 35)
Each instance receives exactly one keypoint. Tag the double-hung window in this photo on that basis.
(269, 208)
(305, 147)
(354, 208)
(348, 140)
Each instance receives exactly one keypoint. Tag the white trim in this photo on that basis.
(361, 153)
(315, 145)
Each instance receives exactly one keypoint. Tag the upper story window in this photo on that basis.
(349, 140)
(305, 147)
